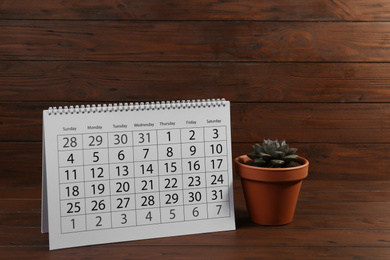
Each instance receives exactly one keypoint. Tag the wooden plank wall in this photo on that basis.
(313, 72)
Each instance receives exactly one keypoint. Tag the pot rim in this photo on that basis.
(271, 174)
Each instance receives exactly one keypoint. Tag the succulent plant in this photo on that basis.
(273, 154)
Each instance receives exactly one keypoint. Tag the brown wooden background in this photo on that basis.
(316, 73)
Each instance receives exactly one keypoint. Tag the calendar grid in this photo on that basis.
(98, 195)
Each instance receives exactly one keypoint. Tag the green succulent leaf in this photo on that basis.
(290, 157)
(265, 156)
(252, 155)
(273, 154)
(278, 154)
(277, 163)
(285, 148)
(257, 148)
(269, 149)
(292, 151)
(259, 162)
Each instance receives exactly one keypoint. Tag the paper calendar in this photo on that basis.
(126, 172)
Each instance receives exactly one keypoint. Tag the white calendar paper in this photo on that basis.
(126, 172)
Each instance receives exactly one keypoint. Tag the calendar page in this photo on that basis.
(136, 171)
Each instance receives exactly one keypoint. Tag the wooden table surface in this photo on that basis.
(333, 220)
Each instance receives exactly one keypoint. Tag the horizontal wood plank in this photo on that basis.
(20, 206)
(237, 82)
(347, 186)
(316, 10)
(296, 122)
(240, 237)
(195, 41)
(124, 250)
(350, 196)
(17, 159)
(346, 209)
(311, 122)
(13, 192)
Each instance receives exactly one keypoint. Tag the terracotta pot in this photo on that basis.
(271, 194)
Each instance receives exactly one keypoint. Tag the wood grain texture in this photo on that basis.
(311, 122)
(124, 250)
(316, 10)
(238, 82)
(296, 122)
(312, 72)
(197, 41)
(163, 252)
(241, 237)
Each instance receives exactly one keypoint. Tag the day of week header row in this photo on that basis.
(140, 125)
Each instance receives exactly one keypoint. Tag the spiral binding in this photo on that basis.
(142, 106)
